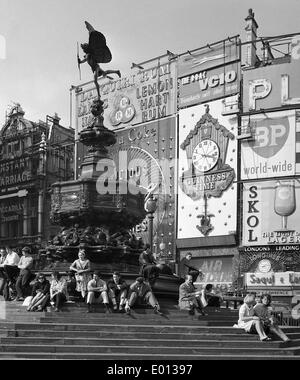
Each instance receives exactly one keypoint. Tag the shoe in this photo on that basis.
(115, 307)
(121, 308)
(156, 310)
(127, 310)
(267, 339)
(56, 310)
(192, 312)
(107, 311)
(201, 312)
(89, 309)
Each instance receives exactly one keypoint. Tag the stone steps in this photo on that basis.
(74, 334)
(129, 335)
(140, 327)
(164, 341)
(130, 357)
(264, 349)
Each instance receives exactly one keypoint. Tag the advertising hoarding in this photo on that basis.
(270, 215)
(272, 151)
(272, 279)
(209, 56)
(216, 271)
(208, 85)
(209, 73)
(273, 85)
(141, 97)
(147, 154)
(207, 190)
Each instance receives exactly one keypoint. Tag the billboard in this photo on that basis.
(207, 190)
(216, 271)
(272, 279)
(270, 214)
(209, 73)
(209, 56)
(142, 97)
(272, 151)
(146, 154)
(273, 85)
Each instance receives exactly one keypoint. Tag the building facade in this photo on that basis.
(32, 157)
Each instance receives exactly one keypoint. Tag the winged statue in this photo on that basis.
(96, 51)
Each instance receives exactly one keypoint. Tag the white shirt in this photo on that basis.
(12, 259)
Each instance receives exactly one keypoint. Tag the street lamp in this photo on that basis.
(150, 207)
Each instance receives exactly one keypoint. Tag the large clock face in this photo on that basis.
(206, 155)
(264, 266)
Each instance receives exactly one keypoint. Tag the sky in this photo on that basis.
(40, 65)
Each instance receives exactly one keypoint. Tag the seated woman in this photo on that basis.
(263, 312)
(211, 298)
(58, 290)
(248, 321)
(40, 294)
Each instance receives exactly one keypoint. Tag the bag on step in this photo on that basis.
(27, 301)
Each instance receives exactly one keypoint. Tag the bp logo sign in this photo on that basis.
(270, 136)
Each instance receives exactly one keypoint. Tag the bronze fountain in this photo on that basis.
(97, 211)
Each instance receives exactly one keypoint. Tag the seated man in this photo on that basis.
(148, 268)
(211, 298)
(71, 287)
(117, 290)
(97, 292)
(141, 292)
(189, 298)
(187, 268)
(25, 266)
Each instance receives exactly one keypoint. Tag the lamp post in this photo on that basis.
(150, 207)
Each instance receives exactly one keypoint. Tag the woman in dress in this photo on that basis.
(263, 312)
(82, 269)
(248, 321)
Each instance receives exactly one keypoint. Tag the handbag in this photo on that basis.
(27, 301)
(79, 277)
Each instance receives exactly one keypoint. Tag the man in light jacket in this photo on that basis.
(97, 292)
(10, 265)
(189, 297)
(25, 265)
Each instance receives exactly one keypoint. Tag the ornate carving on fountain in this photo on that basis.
(89, 218)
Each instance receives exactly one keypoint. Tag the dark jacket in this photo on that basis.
(113, 286)
(140, 289)
(186, 267)
(43, 287)
(145, 258)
